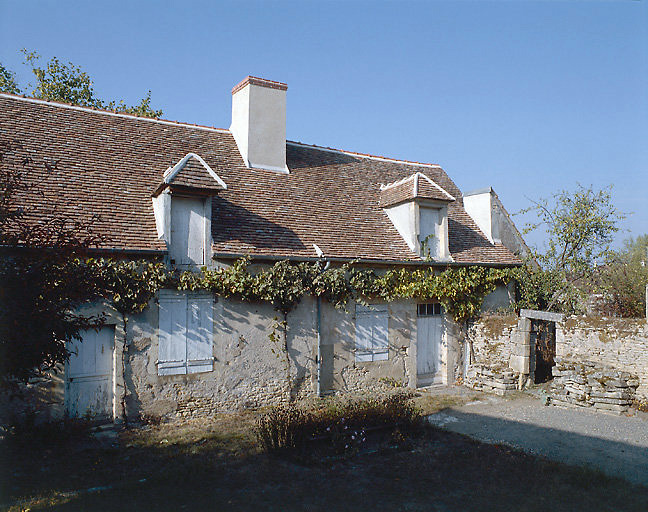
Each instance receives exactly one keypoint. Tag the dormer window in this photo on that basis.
(182, 206)
(418, 208)
(189, 234)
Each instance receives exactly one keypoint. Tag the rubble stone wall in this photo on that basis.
(614, 343)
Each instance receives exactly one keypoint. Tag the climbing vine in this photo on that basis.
(130, 285)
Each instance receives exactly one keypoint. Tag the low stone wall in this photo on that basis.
(612, 343)
(501, 343)
(588, 384)
(484, 378)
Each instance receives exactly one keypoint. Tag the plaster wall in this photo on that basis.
(249, 368)
(403, 217)
(479, 207)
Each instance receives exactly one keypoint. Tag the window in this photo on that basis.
(371, 338)
(186, 332)
(188, 231)
(429, 310)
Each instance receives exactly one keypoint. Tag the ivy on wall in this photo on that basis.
(130, 285)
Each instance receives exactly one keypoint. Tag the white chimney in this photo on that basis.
(480, 205)
(259, 123)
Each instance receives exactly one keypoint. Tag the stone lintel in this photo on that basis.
(541, 315)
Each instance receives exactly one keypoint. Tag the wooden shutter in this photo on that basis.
(372, 333)
(172, 346)
(430, 222)
(187, 231)
(200, 323)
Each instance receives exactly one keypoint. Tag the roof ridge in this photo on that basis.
(93, 110)
(170, 122)
(363, 155)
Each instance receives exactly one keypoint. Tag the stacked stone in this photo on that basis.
(491, 380)
(586, 384)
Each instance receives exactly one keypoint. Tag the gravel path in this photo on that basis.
(617, 445)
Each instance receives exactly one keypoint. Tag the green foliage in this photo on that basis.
(580, 227)
(68, 83)
(37, 298)
(623, 279)
(8, 81)
(131, 285)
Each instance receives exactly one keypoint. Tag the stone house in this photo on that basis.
(196, 196)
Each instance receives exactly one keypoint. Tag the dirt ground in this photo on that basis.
(217, 465)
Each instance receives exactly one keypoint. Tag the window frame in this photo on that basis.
(427, 309)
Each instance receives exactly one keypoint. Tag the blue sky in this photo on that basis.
(528, 97)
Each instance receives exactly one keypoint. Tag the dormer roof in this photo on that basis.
(191, 172)
(416, 186)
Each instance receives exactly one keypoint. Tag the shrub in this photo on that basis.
(343, 424)
(284, 426)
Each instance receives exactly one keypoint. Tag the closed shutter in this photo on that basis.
(187, 231)
(372, 333)
(185, 333)
(199, 334)
(430, 229)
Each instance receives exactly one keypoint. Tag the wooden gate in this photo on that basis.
(89, 375)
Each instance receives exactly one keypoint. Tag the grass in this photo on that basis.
(218, 465)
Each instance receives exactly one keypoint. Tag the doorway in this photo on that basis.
(543, 343)
(430, 329)
(89, 375)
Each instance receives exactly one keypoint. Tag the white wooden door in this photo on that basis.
(430, 329)
(89, 382)
(187, 231)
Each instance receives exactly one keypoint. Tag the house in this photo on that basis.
(196, 196)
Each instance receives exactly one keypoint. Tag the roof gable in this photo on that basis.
(192, 172)
(416, 186)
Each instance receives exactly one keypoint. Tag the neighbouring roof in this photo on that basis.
(112, 164)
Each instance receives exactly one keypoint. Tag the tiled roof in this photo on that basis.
(416, 186)
(192, 172)
(112, 164)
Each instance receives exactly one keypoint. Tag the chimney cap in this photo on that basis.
(263, 82)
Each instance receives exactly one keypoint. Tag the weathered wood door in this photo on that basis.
(89, 382)
(430, 329)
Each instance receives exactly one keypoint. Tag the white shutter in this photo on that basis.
(372, 339)
(172, 340)
(430, 222)
(380, 336)
(187, 231)
(200, 334)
